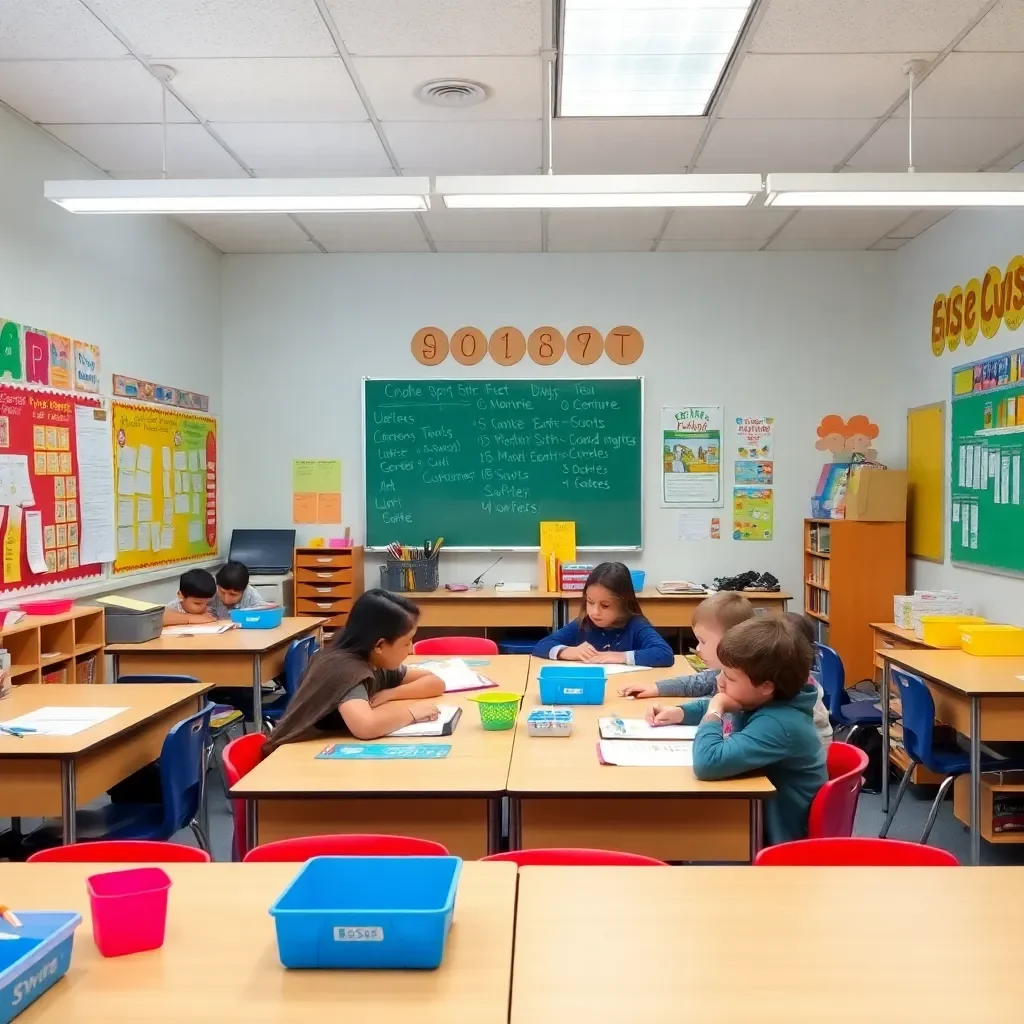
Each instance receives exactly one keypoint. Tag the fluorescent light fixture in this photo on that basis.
(595, 191)
(242, 195)
(622, 58)
(920, 189)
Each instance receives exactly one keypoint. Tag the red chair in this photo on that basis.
(239, 758)
(835, 805)
(852, 852)
(575, 858)
(455, 645)
(289, 851)
(121, 851)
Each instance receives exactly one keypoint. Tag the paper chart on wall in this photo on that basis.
(691, 455)
(96, 487)
(15, 484)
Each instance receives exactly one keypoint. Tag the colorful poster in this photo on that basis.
(698, 524)
(748, 472)
(165, 470)
(691, 455)
(87, 367)
(12, 365)
(37, 356)
(316, 491)
(754, 437)
(60, 362)
(753, 513)
(161, 394)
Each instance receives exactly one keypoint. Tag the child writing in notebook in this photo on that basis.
(764, 686)
(234, 592)
(196, 589)
(358, 684)
(609, 630)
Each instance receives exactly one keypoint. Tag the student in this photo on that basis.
(353, 684)
(821, 719)
(196, 589)
(763, 684)
(610, 629)
(234, 592)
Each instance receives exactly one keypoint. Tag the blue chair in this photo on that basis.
(843, 713)
(295, 664)
(919, 742)
(182, 781)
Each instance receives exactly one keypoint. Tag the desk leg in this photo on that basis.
(116, 660)
(515, 823)
(756, 826)
(885, 736)
(494, 807)
(257, 695)
(975, 781)
(252, 832)
(68, 801)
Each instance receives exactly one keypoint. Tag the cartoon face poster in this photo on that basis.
(848, 440)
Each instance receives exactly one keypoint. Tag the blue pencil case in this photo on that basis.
(571, 684)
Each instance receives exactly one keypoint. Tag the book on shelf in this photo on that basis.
(56, 675)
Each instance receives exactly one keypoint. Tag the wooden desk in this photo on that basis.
(982, 698)
(50, 776)
(455, 801)
(486, 608)
(709, 944)
(218, 929)
(239, 658)
(665, 611)
(562, 796)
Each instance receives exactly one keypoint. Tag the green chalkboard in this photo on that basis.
(987, 516)
(483, 462)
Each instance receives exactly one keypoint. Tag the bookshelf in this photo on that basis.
(852, 571)
(56, 648)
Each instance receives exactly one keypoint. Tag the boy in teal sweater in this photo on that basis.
(763, 687)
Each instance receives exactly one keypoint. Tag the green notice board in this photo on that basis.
(483, 462)
(987, 517)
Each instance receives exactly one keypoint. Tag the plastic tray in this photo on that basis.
(944, 630)
(258, 618)
(47, 606)
(993, 640)
(571, 685)
(367, 912)
(549, 722)
(36, 960)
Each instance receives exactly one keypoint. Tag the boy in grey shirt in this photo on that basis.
(234, 592)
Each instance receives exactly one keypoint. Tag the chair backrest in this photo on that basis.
(239, 758)
(828, 670)
(455, 645)
(576, 858)
(287, 851)
(835, 805)
(122, 851)
(183, 769)
(296, 661)
(854, 851)
(917, 714)
(156, 678)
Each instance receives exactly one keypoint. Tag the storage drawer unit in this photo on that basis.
(327, 583)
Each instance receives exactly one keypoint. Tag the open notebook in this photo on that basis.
(644, 754)
(638, 729)
(447, 719)
(458, 676)
(197, 629)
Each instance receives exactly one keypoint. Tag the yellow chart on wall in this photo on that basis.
(165, 465)
(926, 481)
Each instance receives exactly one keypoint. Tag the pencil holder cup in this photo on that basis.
(497, 710)
(129, 910)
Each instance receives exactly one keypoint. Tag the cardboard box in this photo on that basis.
(876, 495)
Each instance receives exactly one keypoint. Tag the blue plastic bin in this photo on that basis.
(367, 912)
(36, 960)
(258, 618)
(565, 684)
(639, 578)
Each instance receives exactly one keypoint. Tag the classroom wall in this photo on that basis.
(144, 289)
(789, 335)
(961, 246)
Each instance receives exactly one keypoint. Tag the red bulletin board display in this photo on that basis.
(39, 472)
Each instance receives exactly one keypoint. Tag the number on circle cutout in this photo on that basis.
(430, 346)
(507, 346)
(584, 345)
(546, 345)
(624, 345)
(469, 346)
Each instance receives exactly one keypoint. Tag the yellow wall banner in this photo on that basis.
(165, 465)
(985, 305)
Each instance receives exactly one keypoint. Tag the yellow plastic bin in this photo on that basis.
(993, 640)
(944, 630)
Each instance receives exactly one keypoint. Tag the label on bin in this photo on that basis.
(572, 689)
(359, 934)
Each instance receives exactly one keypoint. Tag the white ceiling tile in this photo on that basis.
(624, 145)
(364, 232)
(708, 245)
(377, 246)
(599, 226)
(1001, 29)
(600, 245)
(302, 149)
(134, 150)
(860, 26)
(888, 244)
(487, 246)
(746, 224)
(250, 232)
(1010, 160)
(740, 145)
(940, 144)
(270, 89)
(483, 225)
(513, 85)
(833, 225)
(971, 85)
(472, 147)
(817, 85)
(816, 244)
(220, 28)
(390, 28)
(51, 30)
(85, 92)
(917, 222)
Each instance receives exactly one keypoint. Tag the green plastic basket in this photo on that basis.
(497, 710)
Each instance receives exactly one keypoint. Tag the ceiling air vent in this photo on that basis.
(451, 92)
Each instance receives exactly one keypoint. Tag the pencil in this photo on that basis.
(9, 916)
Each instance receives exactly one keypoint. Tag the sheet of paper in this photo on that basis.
(445, 713)
(61, 721)
(145, 460)
(1015, 486)
(125, 511)
(126, 482)
(167, 485)
(168, 513)
(15, 484)
(1004, 479)
(145, 509)
(12, 546)
(618, 670)
(167, 540)
(698, 524)
(116, 601)
(646, 754)
(197, 504)
(155, 538)
(143, 483)
(193, 460)
(181, 504)
(456, 674)
(197, 629)
(165, 459)
(182, 482)
(143, 538)
(962, 476)
(974, 525)
(180, 460)
(965, 526)
(127, 459)
(195, 530)
(126, 538)
(638, 729)
(34, 541)
(202, 460)
(956, 511)
(197, 482)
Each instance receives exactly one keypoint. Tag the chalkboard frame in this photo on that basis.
(528, 380)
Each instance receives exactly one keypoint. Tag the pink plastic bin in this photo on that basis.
(129, 910)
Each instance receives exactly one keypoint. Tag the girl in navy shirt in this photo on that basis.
(610, 629)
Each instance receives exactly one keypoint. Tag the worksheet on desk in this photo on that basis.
(197, 629)
(58, 721)
(456, 675)
(638, 729)
(645, 754)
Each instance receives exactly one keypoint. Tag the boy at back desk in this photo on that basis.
(196, 589)
(233, 591)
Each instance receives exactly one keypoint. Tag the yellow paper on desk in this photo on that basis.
(116, 601)
(557, 545)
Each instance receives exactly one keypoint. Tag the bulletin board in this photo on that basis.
(42, 488)
(165, 468)
(926, 482)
